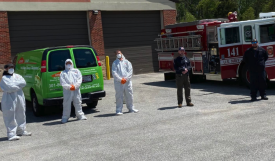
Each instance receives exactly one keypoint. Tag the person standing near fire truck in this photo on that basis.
(255, 57)
(182, 66)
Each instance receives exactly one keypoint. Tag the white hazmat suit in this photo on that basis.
(123, 69)
(13, 104)
(70, 77)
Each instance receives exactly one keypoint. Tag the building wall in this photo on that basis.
(5, 48)
(85, 5)
(169, 17)
(96, 32)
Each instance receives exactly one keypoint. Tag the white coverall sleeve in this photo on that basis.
(130, 71)
(114, 73)
(63, 82)
(79, 80)
(21, 82)
(8, 86)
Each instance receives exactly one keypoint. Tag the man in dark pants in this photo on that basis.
(255, 57)
(181, 66)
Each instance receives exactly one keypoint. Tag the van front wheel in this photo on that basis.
(37, 109)
(93, 104)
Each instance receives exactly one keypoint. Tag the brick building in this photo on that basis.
(129, 25)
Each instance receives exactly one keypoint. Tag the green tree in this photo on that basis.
(207, 8)
(225, 7)
(269, 6)
(188, 17)
(183, 13)
(259, 6)
(249, 14)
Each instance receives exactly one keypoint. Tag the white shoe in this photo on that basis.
(14, 138)
(82, 117)
(133, 111)
(25, 133)
(119, 113)
(63, 121)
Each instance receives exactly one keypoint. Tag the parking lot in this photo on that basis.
(223, 125)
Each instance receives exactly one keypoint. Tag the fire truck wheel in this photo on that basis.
(245, 76)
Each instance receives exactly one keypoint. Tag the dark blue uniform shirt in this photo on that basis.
(255, 59)
(180, 63)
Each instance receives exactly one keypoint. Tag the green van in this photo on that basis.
(41, 69)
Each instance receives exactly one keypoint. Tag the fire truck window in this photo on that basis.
(247, 33)
(230, 35)
(267, 33)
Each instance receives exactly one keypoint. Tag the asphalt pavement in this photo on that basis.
(223, 125)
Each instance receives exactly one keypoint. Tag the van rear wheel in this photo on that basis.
(92, 104)
(37, 109)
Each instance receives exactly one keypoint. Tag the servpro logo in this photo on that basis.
(21, 61)
(56, 74)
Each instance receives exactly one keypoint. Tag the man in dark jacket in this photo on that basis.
(255, 58)
(182, 66)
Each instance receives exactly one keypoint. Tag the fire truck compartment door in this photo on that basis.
(166, 61)
(196, 61)
(226, 37)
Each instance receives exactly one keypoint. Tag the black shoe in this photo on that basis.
(264, 98)
(253, 99)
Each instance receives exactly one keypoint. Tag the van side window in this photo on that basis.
(57, 60)
(247, 33)
(229, 35)
(84, 58)
(267, 33)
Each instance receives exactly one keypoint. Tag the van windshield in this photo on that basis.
(84, 58)
(57, 60)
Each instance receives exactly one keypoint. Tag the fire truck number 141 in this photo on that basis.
(233, 52)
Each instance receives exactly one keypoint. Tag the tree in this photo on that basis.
(249, 14)
(188, 17)
(270, 6)
(183, 13)
(226, 6)
(207, 8)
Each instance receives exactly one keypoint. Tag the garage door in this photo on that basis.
(134, 34)
(35, 30)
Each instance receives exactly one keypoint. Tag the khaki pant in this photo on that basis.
(183, 81)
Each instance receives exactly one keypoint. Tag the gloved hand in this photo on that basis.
(72, 88)
(123, 81)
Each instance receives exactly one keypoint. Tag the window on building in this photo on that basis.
(267, 33)
(247, 33)
(229, 35)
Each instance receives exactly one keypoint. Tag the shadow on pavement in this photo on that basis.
(53, 113)
(4, 139)
(106, 115)
(59, 122)
(168, 108)
(226, 87)
(240, 101)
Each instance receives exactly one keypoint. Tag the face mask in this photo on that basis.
(11, 71)
(68, 66)
(118, 56)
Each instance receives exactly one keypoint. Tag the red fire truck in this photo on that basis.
(215, 47)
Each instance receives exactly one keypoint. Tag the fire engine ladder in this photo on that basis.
(190, 42)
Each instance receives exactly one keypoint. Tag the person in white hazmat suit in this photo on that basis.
(122, 72)
(13, 103)
(70, 80)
